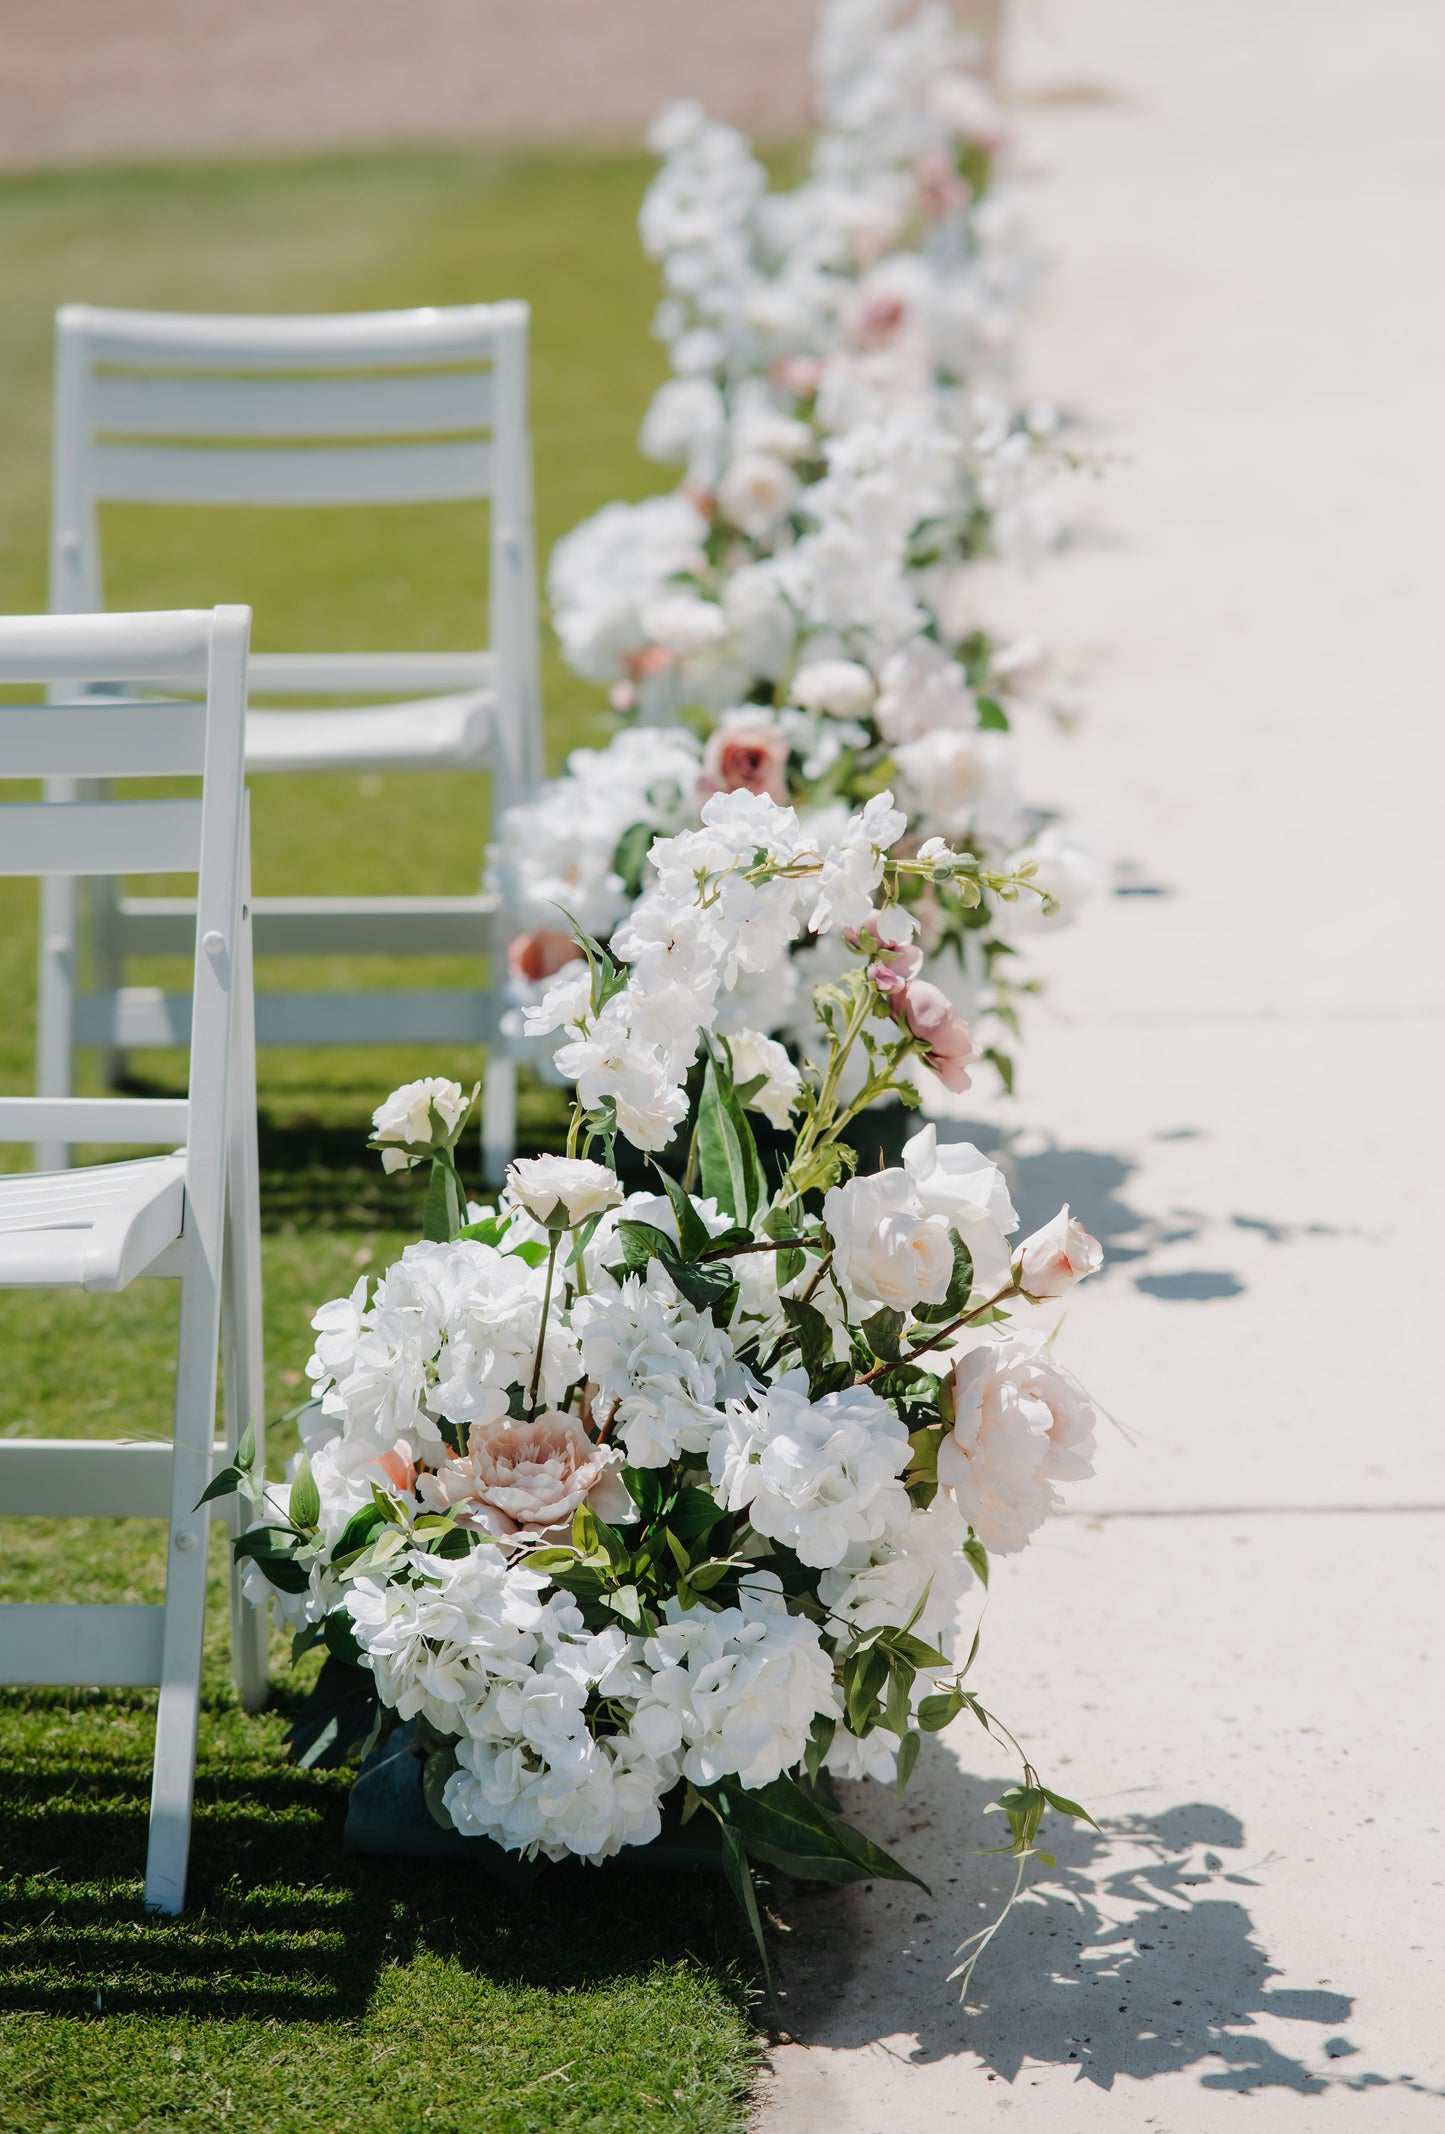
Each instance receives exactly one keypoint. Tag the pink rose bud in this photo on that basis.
(748, 756)
(945, 1036)
(540, 954)
(1057, 1256)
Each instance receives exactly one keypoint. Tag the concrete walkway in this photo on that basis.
(1232, 1651)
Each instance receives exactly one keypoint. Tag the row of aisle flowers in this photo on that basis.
(655, 1506)
(797, 619)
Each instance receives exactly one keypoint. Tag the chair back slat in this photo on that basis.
(171, 646)
(367, 673)
(404, 405)
(108, 1645)
(83, 1478)
(267, 475)
(118, 1120)
(121, 739)
(358, 340)
(90, 837)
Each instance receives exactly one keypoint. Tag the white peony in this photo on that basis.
(820, 1476)
(1020, 1425)
(886, 1250)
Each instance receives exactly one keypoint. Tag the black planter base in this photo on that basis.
(388, 1814)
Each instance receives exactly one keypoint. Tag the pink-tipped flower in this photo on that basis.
(1057, 1256)
(746, 755)
(540, 953)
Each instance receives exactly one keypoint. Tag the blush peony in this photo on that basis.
(529, 1477)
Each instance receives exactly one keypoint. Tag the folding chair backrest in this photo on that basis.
(80, 734)
(368, 408)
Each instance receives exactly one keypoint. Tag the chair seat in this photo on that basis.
(430, 733)
(93, 1229)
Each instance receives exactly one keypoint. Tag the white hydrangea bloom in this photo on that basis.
(819, 1476)
(735, 1689)
(666, 1366)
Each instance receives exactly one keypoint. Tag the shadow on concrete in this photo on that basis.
(1135, 1956)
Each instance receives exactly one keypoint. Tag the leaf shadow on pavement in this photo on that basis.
(1135, 1956)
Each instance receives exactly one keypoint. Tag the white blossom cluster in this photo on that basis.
(684, 950)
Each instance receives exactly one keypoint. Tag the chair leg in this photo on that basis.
(499, 1117)
(177, 1719)
(55, 1025)
(242, 1344)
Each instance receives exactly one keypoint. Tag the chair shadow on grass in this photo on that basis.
(279, 1921)
(1135, 1956)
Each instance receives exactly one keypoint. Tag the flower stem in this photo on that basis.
(943, 1334)
(552, 1244)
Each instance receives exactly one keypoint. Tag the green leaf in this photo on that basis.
(901, 1678)
(357, 1531)
(1065, 1806)
(814, 1335)
(692, 1232)
(720, 1152)
(443, 1211)
(642, 1242)
(740, 1882)
(629, 859)
(706, 1288)
(491, 1230)
(225, 1484)
(608, 977)
(866, 1675)
(908, 1749)
(883, 1329)
(820, 1740)
(305, 1500)
(977, 1555)
(340, 1635)
(693, 1512)
(340, 1718)
(934, 1713)
(960, 1288)
(781, 1824)
(991, 715)
(704, 1576)
(271, 1550)
(1003, 1064)
(644, 1486)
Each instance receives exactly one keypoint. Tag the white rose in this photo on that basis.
(683, 623)
(958, 1181)
(1020, 1424)
(840, 687)
(757, 493)
(405, 1119)
(1057, 1256)
(753, 1054)
(562, 1191)
(886, 1250)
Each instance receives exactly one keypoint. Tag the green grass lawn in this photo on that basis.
(303, 1989)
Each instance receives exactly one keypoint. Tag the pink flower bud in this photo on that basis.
(945, 1036)
(1057, 1256)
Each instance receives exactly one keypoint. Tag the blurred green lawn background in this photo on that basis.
(303, 1990)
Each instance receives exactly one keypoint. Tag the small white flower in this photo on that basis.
(562, 1191)
(840, 687)
(405, 1118)
(820, 1476)
(753, 1054)
(757, 493)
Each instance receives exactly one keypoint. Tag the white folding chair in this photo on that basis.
(191, 1215)
(372, 408)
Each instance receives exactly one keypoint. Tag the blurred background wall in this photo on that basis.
(84, 80)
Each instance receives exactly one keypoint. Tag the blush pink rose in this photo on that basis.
(928, 1013)
(540, 953)
(1020, 1425)
(528, 1477)
(1057, 1256)
(746, 755)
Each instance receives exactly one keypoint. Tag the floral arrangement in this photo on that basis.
(798, 616)
(662, 1505)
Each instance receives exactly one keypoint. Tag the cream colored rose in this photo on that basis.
(529, 1477)
(405, 1119)
(1057, 1256)
(886, 1251)
(562, 1191)
(1020, 1425)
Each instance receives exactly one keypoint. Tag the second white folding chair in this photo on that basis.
(191, 1215)
(366, 409)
